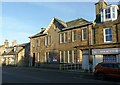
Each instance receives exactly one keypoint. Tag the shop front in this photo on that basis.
(105, 55)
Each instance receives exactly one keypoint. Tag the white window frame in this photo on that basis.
(38, 56)
(83, 37)
(107, 34)
(73, 35)
(49, 40)
(61, 56)
(108, 13)
(69, 56)
(103, 14)
(45, 40)
(62, 36)
(65, 56)
(65, 37)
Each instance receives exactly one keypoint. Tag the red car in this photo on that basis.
(103, 70)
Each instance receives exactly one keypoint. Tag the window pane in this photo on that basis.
(66, 37)
(113, 15)
(62, 37)
(109, 16)
(108, 10)
(70, 56)
(84, 34)
(106, 31)
(113, 9)
(66, 56)
(75, 56)
(108, 34)
(74, 35)
(62, 56)
(110, 31)
(109, 38)
(107, 13)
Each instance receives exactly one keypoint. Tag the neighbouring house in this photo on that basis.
(22, 54)
(16, 54)
(54, 46)
(8, 54)
(106, 32)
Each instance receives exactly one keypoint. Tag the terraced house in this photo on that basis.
(55, 46)
(16, 54)
(106, 33)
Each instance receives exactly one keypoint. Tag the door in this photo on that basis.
(33, 61)
(85, 62)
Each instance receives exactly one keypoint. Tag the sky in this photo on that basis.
(20, 20)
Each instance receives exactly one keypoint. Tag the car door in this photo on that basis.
(108, 69)
(115, 70)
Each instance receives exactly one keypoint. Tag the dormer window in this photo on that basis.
(109, 13)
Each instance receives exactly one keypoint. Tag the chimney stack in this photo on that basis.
(6, 43)
(14, 43)
(42, 29)
(99, 5)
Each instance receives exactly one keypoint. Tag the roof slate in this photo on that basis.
(67, 25)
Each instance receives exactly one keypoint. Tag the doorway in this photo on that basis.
(33, 61)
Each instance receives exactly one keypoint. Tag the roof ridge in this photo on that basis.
(61, 21)
(75, 20)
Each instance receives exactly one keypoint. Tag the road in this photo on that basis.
(37, 75)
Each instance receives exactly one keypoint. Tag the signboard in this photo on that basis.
(106, 51)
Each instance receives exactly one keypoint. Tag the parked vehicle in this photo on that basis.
(105, 69)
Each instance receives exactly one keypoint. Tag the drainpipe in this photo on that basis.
(89, 48)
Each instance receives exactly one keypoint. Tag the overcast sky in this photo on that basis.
(20, 20)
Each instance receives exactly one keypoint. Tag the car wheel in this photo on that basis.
(100, 76)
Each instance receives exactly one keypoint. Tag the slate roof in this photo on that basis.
(38, 34)
(76, 23)
(11, 51)
(67, 25)
(61, 22)
(22, 45)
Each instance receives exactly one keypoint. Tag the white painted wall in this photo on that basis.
(97, 59)
(85, 62)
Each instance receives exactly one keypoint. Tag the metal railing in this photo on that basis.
(72, 66)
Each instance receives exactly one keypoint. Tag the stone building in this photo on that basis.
(55, 46)
(22, 54)
(16, 54)
(7, 54)
(106, 32)
(79, 44)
